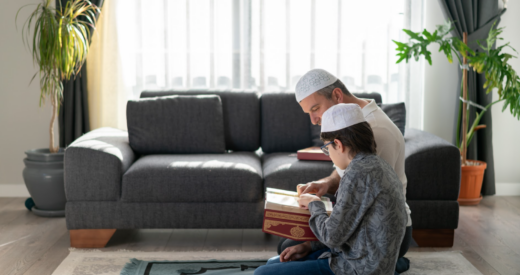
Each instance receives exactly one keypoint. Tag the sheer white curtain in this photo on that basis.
(266, 45)
(107, 92)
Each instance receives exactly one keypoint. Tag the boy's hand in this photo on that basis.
(305, 199)
(296, 252)
(319, 188)
(316, 187)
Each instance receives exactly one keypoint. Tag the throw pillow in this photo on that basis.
(176, 125)
(397, 113)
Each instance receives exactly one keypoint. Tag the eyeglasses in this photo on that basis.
(324, 148)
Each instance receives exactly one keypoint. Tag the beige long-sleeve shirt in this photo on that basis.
(390, 143)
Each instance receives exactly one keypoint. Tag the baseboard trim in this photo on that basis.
(13, 190)
(508, 189)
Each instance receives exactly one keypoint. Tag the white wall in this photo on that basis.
(23, 125)
(506, 128)
(441, 82)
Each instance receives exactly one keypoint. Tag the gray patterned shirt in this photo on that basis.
(368, 221)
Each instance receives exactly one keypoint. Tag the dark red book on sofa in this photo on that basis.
(312, 153)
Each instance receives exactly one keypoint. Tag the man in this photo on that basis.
(316, 92)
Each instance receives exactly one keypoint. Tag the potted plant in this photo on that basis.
(58, 39)
(499, 75)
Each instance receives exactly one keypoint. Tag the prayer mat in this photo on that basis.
(138, 267)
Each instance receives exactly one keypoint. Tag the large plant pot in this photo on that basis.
(43, 176)
(471, 183)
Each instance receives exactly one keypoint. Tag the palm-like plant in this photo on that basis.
(59, 44)
(492, 62)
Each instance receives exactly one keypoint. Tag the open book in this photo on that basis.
(284, 217)
(283, 200)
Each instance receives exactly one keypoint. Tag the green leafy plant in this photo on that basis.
(58, 39)
(492, 62)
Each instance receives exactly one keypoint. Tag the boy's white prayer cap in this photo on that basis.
(341, 116)
(312, 81)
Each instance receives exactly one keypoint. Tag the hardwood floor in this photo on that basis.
(488, 236)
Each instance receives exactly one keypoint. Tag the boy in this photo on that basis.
(367, 224)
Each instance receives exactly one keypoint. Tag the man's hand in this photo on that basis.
(305, 199)
(296, 252)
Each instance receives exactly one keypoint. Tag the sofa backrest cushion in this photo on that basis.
(241, 110)
(176, 125)
(285, 127)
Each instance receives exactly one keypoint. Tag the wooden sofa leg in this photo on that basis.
(434, 237)
(90, 238)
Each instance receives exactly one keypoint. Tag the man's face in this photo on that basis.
(315, 105)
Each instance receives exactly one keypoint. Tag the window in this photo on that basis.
(267, 45)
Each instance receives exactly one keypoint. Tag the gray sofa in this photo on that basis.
(110, 186)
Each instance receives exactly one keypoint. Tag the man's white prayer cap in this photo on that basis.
(341, 116)
(312, 81)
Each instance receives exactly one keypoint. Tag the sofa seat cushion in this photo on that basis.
(230, 177)
(427, 214)
(285, 171)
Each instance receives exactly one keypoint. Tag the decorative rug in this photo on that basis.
(95, 262)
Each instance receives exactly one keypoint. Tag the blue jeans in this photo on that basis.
(305, 266)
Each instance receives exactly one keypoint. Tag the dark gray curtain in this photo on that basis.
(475, 17)
(73, 118)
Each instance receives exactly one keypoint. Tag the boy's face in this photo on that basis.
(339, 155)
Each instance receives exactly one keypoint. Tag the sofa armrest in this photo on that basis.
(95, 164)
(432, 167)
